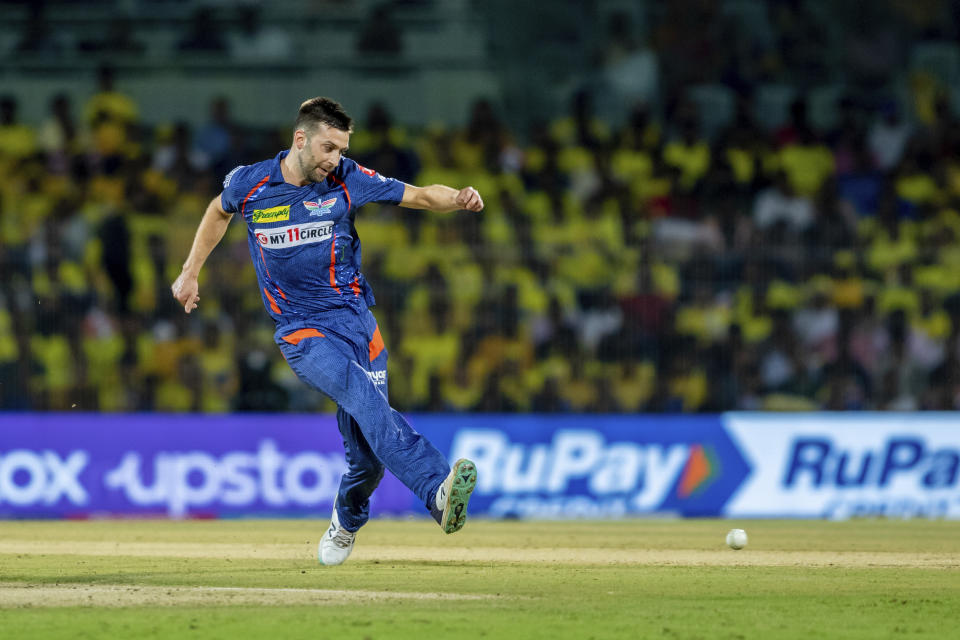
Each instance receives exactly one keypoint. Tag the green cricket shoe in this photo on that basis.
(454, 494)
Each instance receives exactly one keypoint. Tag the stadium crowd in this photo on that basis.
(617, 268)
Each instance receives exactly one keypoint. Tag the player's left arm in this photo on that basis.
(438, 197)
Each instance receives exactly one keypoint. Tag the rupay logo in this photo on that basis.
(636, 477)
(821, 462)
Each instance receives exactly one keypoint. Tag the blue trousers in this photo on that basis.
(342, 354)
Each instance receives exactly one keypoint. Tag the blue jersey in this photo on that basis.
(302, 239)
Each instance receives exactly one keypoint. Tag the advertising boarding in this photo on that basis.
(843, 465)
(530, 466)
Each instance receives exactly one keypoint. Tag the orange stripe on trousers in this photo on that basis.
(376, 344)
(273, 302)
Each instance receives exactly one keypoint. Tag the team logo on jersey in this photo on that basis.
(320, 208)
(273, 214)
(294, 235)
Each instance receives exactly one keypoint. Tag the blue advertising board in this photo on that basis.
(75, 465)
(597, 466)
(819, 465)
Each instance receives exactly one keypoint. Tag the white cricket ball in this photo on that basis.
(737, 538)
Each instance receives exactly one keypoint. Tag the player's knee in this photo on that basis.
(367, 477)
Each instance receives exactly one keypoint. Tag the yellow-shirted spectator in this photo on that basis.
(601, 227)
(568, 131)
(494, 350)
(173, 396)
(8, 342)
(575, 160)
(108, 103)
(461, 391)
(57, 375)
(692, 388)
(918, 188)
(897, 297)
(104, 349)
(633, 384)
(935, 324)
(784, 295)
(807, 166)
(893, 245)
(743, 164)
(849, 292)
(579, 389)
(755, 326)
(938, 278)
(703, 318)
(218, 369)
(513, 385)
(429, 354)
(531, 296)
(690, 156)
(17, 140)
(631, 165)
(24, 211)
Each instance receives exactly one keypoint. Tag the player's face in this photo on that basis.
(322, 151)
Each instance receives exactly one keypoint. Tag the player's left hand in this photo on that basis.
(469, 198)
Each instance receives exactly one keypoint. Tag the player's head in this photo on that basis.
(321, 135)
(317, 111)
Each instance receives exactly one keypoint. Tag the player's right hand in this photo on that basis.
(186, 290)
(469, 198)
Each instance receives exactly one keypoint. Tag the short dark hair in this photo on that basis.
(323, 111)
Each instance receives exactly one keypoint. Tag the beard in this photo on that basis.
(310, 170)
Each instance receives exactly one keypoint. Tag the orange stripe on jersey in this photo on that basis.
(376, 344)
(333, 264)
(346, 192)
(259, 184)
(355, 285)
(264, 261)
(300, 334)
(267, 269)
(273, 302)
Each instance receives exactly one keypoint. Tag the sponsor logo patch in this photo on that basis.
(273, 214)
(377, 377)
(294, 235)
(371, 173)
(320, 208)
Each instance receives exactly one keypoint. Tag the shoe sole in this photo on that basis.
(460, 485)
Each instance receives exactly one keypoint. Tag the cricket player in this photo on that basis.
(299, 209)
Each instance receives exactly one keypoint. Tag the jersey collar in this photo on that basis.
(276, 173)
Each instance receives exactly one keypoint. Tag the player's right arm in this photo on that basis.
(212, 227)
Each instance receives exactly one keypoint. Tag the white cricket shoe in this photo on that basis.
(337, 542)
(454, 494)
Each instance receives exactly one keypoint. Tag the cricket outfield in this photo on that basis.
(495, 579)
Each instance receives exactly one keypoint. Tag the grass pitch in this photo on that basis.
(405, 579)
